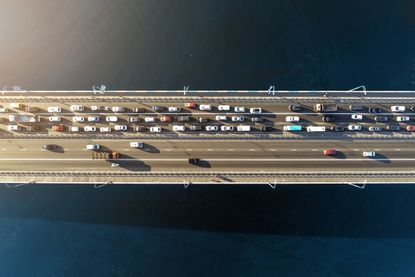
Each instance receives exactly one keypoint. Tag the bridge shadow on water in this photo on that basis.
(304, 210)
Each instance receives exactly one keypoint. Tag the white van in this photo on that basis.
(244, 128)
(316, 129)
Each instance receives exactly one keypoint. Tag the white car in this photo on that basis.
(54, 109)
(74, 129)
(93, 118)
(238, 118)
(369, 154)
(357, 116)
(97, 108)
(239, 109)
(398, 109)
(136, 144)
(133, 119)
(226, 128)
(13, 127)
(255, 110)
(77, 108)
(149, 119)
(120, 127)
(178, 128)
(54, 118)
(155, 129)
(292, 118)
(224, 107)
(354, 127)
(78, 119)
(93, 146)
(221, 117)
(211, 128)
(402, 118)
(90, 128)
(205, 107)
(174, 109)
(105, 129)
(118, 109)
(111, 119)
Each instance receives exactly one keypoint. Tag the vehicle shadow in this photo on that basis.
(340, 155)
(150, 148)
(131, 163)
(381, 158)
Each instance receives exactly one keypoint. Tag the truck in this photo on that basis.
(104, 155)
(325, 107)
(293, 128)
(23, 118)
(316, 128)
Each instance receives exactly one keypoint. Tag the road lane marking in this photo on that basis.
(189, 150)
(397, 149)
(168, 149)
(210, 150)
(231, 150)
(251, 149)
(23, 149)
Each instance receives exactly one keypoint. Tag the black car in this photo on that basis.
(375, 129)
(327, 118)
(257, 119)
(393, 127)
(183, 118)
(412, 108)
(266, 129)
(194, 161)
(356, 107)
(295, 108)
(338, 128)
(138, 110)
(139, 129)
(381, 118)
(49, 146)
(195, 128)
(158, 108)
(203, 119)
(375, 110)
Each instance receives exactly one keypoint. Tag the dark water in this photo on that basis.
(207, 230)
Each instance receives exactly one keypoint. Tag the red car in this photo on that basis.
(166, 118)
(58, 128)
(410, 128)
(330, 152)
(190, 105)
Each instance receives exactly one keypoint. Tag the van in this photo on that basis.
(244, 128)
(293, 128)
(93, 146)
(316, 129)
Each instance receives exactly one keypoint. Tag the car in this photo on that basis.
(327, 118)
(402, 118)
(93, 118)
(32, 128)
(74, 129)
(13, 128)
(237, 118)
(90, 128)
(393, 127)
(136, 144)
(375, 129)
(138, 110)
(255, 110)
(291, 118)
(381, 118)
(369, 154)
(54, 118)
(166, 118)
(49, 146)
(295, 108)
(357, 116)
(111, 119)
(266, 128)
(211, 128)
(203, 119)
(398, 109)
(412, 109)
(105, 129)
(120, 127)
(356, 108)
(77, 108)
(330, 152)
(190, 105)
(257, 119)
(174, 109)
(93, 146)
(139, 129)
(410, 128)
(194, 161)
(183, 118)
(149, 119)
(78, 119)
(338, 128)
(97, 108)
(3, 110)
(195, 128)
(226, 128)
(178, 128)
(58, 128)
(54, 109)
(117, 109)
(354, 127)
(239, 109)
(31, 109)
(158, 108)
(155, 129)
(374, 110)
(133, 119)
(224, 107)
(221, 117)
(205, 107)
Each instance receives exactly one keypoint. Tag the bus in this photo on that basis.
(293, 128)
(316, 129)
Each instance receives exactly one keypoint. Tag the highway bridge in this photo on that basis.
(179, 127)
